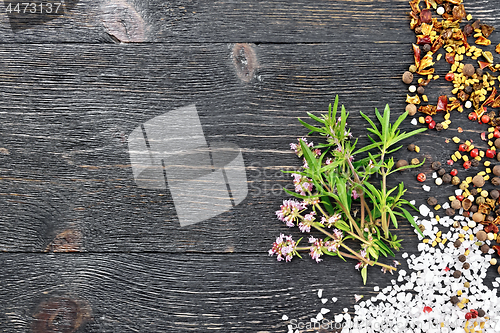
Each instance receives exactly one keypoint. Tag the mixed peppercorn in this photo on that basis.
(473, 86)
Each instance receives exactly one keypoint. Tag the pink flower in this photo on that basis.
(316, 248)
(354, 194)
(289, 211)
(305, 224)
(330, 221)
(302, 184)
(284, 248)
(296, 147)
(328, 161)
(317, 152)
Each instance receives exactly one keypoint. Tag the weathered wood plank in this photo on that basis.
(67, 112)
(171, 292)
(188, 21)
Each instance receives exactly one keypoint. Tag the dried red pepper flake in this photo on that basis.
(421, 40)
(485, 29)
(467, 164)
(460, 197)
(416, 55)
(428, 119)
(468, 316)
(496, 248)
(427, 309)
(432, 125)
(438, 43)
(483, 64)
(496, 133)
(447, 269)
(483, 41)
(450, 58)
(442, 103)
(496, 103)
(491, 228)
(473, 116)
(462, 147)
(428, 109)
(483, 136)
(459, 12)
(460, 130)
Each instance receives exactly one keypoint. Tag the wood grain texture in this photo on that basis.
(188, 21)
(67, 111)
(175, 292)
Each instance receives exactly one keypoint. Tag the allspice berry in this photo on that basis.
(497, 143)
(473, 208)
(455, 180)
(478, 217)
(468, 70)
(447, 178)
(436, 165)
(494, 194)
(450, 212)
(481, 235)
(401, 163)
(457, 274)
(431, 201)
(462, 258)
(498, 269)
(408, 77)
(466, 265)
(496, 169)
(495, 181)
(478, 181)
(420, 89)
(456, 204)
(411, 109)
(457, 243)
(411, 147)
(485, 248)
(498, 157)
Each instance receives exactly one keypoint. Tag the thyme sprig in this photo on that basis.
(337, 197)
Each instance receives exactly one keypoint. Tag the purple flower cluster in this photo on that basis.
(284, 248)
(290, 211)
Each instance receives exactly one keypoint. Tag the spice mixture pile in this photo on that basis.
(445, 291)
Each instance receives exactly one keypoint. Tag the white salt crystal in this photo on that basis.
(319, 317)
(446, 205)
(405, 255)
(325, 310)
(334, 299)
(320, 293)
(426, 188)
(376, 288)
(324, 300)
(338, 318)
(414, 121)
(284, 317)
(458, 192)
(413, 202)
(434, 175)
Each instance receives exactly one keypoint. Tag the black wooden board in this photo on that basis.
(221, 21)
(70, 100)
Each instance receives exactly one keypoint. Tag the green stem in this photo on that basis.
(333, 237)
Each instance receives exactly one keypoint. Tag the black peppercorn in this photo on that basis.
(468, 90)
(480, 312)
(436, 165)
(454, 300)
(474, 163)
(457, 274)
(447, 178)
(431, 201)
(457, 243)
(441, 172)
(426, 48)
(466, 265)
(462, 258)
(485, 248)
